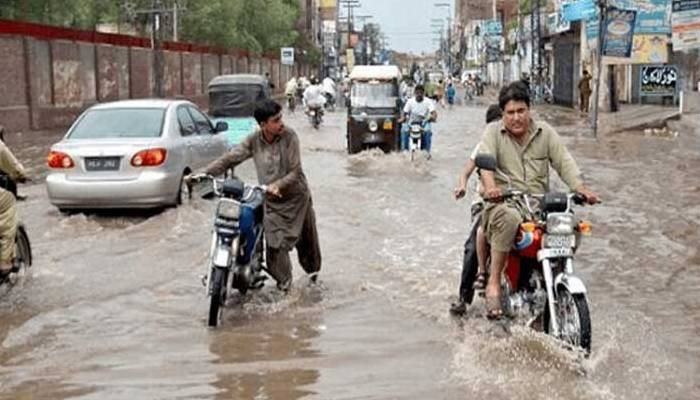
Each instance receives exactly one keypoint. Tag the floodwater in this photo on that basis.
(113, 307)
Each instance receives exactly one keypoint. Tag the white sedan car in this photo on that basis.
(131, 154)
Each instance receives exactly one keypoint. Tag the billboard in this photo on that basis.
(618, 33)
(646, 49)
(686, 24)
(658, 80)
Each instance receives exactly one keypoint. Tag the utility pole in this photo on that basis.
(158, 59)
(602, 13)
(449, 34)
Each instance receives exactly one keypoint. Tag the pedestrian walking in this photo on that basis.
(584, 88)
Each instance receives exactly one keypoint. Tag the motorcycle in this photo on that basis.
(539, 283)
(330, 102)
(291, 102)
(236, 252)
(315, 116)
(416, 130)
(23, 247)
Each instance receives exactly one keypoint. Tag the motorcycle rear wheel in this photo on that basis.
(574, 319)
(217, 296)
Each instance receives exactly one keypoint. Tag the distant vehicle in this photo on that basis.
(466, 73)
(374, 108)
(232, 100)
(131, 154)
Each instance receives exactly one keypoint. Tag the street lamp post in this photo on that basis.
(449, 34)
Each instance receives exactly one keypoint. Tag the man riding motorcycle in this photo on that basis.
(524, 150)
(313, 98)
(8, 208)
(289, 221)
(418, 109)
(329, 91)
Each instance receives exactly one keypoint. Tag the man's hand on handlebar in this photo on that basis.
(274, 190)
(590, 196)
(493, 194)
(191, 179)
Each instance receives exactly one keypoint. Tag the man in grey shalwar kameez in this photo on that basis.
(289, 219)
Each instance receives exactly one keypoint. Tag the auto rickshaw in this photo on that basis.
(374, 108)
(232, 100)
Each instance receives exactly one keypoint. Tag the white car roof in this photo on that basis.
(141, 103)
(375, 72)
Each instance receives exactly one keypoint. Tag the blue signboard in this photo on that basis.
(619, 32)
(493, 27)
(578, 10)
(653, 17)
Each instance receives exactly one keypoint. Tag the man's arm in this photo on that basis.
(294, 161)
(10, 165)
(235, 156)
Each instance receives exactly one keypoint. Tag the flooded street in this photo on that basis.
(113, 307)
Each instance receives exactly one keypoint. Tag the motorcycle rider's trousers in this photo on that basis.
(8, 225)
(501, 222)
(279, 264)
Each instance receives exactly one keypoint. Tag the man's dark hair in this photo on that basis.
(265, 110)
(419, 87)
(493, 113)
(516, 91)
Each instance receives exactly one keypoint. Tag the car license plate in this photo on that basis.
(560, 241)
(102, 163)
(388, 125)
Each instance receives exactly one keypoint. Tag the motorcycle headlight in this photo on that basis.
(228, 210)
(373, 126)
(560, 224)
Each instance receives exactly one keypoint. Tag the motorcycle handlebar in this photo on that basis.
(219, 183)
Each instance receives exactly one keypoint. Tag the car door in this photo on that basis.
(188, 133)
(210, 144)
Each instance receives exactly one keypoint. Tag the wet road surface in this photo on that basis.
(113, 307)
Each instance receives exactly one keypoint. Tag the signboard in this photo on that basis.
(350, 58)
(556, 23)
(492, 46)
(653, 17)
(328, 4)
(578, 10)
(287, 55)
(658, 80)
(646, 49)
(686, 24)
(619, 31)
(492, 27)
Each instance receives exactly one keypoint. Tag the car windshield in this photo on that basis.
(234, 101)
(119, 123)
(373, 95)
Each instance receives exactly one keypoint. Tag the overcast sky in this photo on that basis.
(405, 22)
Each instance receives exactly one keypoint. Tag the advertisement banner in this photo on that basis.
(557, 24)
(686, 24)
(578, 10)
(646, 49)
(658, 80)
(618, 33)
(492, 27)
(492, 46)
(653, 16)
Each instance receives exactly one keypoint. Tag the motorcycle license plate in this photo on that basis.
(560, 241)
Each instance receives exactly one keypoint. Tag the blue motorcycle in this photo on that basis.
(236, 252)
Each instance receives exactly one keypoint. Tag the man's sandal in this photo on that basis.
(493, 307)
(481, 279)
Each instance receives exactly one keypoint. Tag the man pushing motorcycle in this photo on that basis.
(524, 149)
(290, 221)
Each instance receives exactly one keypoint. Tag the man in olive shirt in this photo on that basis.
(13, 170)
(524, 149)
(290, 221)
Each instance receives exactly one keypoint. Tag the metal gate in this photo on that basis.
(564, 82)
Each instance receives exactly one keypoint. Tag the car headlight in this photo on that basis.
(228, 210)
(560, 224)
(373, 126)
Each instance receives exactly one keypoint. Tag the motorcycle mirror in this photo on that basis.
(486, 162)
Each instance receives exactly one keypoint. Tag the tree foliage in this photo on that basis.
(258, 26)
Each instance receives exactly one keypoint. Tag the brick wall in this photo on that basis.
(49, 77)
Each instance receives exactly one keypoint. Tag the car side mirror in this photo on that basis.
(221, 127)
(486, 162)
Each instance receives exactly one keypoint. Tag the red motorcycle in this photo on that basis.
(539, 284)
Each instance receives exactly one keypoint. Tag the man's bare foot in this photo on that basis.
(494, 308)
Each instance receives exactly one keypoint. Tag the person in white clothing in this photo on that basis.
(329, 90)
(418, 109)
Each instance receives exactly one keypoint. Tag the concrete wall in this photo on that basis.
(47, 83)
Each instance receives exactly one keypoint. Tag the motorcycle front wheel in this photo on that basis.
(574, 319)
(217, 295)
